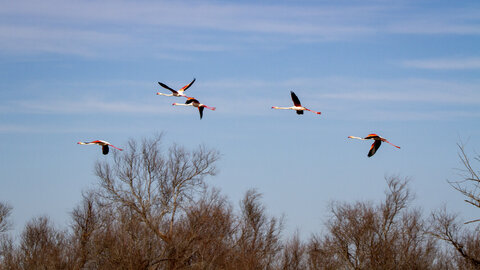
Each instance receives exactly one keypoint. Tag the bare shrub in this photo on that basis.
(42, 246)
(364, 236)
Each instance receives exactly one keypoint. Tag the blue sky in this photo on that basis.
(83, 70)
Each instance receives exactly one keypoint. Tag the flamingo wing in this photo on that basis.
(295, 99)
(299, 112)
(167, 87)
(187, 86)
(105, 149)
(374, 148)
(191, 100)
(372, 136)
(200, 109)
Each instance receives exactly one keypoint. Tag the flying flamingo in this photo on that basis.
(298, 106)
(175, 93)
(195, 103)
(376, 144)
(103, 144)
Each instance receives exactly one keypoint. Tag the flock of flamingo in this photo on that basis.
(297, 106)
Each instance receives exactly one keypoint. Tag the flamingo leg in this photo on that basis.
(210, 108)
(116, 147)
(313, 111)
(391, 144)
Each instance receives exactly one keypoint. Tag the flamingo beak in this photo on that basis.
(158, 93)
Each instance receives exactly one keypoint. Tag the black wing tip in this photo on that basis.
(375, 146)
(167, 87)
(295, 99)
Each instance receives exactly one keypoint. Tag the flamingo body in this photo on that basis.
(376, 144)
(104, 144)
(175, 93)
(297, 105)
(195, 103)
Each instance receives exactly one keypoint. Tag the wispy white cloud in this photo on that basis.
(93, 28)
(85, 28)
(347, 97)
(197, 15)
(444, 64)
(411, 115)
(56, 39)
(336, 96)
(453, 20)
(440, 28)
(360, 89)
(86, 106)
(48, 128)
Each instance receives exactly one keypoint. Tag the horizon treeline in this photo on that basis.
(152, 209)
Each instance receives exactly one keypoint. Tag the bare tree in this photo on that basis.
(42, 246)
(469, 185)
(365, 236)
(85, 221)
(203, 237)
(5, 211)
(9, 258)
(445, 226)
(293, 254)
(155, 185)
(258, 242)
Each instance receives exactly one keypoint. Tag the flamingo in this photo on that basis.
(175, 93)
(103, 144)
(195, 103)
(378, 141)
(298, 106)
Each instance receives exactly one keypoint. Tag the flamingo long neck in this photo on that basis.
(85, 143)
(181, 104)
(162, 94)
(282, 108)
(358, 138)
